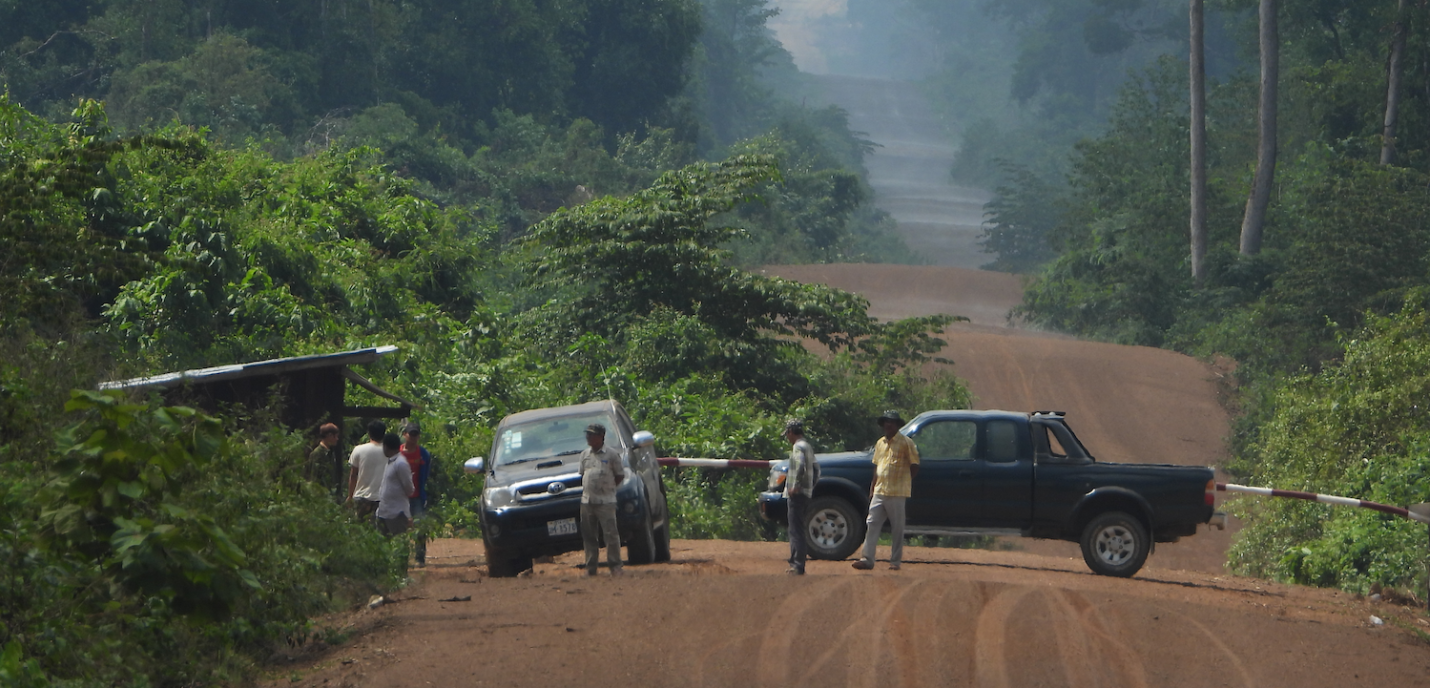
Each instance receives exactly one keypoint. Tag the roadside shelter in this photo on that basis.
(313, 389)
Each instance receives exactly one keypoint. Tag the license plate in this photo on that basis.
(565, 526)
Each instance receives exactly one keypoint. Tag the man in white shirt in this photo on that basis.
(394, 515)
(601, 474)
(365, 478)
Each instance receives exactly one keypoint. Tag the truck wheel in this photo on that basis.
(833, 528)
(1115, 544)
(503, 565)
(662, 541)
(641, 548)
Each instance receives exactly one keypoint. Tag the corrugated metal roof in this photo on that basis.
(274, 367)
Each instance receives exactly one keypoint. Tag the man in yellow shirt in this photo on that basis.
(896, 463)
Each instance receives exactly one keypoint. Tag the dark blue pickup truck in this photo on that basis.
(1001, 473)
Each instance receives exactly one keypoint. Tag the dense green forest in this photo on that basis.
(538, 203)
(1322, 315)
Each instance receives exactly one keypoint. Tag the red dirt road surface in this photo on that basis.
(724, 614)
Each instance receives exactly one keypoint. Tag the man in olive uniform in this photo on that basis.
(323, 467)
(896, 463)
(601, 473)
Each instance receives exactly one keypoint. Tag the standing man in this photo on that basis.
(365, 479)
(896, 463)
(421, 462)
(601, 473)
(322, 466)
(394, 515)
(799, 485)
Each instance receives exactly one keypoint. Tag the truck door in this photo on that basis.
(1007, 472)
(947, 489)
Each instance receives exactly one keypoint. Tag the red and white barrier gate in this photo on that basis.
(1325, 499)
(713, 463)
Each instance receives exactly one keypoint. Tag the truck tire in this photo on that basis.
(641, 548)
(1115, 544)
(502, 564)
(662, 541)
(833, 528)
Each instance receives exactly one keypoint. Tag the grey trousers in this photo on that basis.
(798, 536)
(600, 518)
(884, 507)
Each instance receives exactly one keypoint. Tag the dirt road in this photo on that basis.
(723, 614)
(910, 170)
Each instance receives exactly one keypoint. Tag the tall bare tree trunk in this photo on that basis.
(1255, 219)
(1198, 79)
(1392, 85)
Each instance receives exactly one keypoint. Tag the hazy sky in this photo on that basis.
(797, 25)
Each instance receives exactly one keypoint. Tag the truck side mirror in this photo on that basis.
(476, 464)
(643, 439)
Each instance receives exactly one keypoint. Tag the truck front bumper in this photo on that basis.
(774, 507)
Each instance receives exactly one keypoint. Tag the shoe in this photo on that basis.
(617, 573)
(894, 566)
(864, 565)
(792, 571)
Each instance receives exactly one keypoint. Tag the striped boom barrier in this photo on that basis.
(1324, 499)
(713, 463)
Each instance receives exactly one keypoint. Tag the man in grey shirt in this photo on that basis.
(799, 485)
(394, 515)
(601, 473)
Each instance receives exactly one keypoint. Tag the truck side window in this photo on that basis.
(1047, 444)
(949, 440)
(1057, 442)
(1002, 441)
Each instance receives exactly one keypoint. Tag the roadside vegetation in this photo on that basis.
(534, 216)
(1322, 308)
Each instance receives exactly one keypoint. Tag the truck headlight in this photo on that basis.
(497, 497)
(778, 474)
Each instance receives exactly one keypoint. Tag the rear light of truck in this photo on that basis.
(1211, 492)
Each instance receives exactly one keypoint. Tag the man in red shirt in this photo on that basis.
(421, 462)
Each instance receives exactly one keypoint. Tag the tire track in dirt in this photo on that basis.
(1246, 679)
(990, 651)
(1092, 647)
(950, 618)
(779, 639)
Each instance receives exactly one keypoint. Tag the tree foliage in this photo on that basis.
(160, 543)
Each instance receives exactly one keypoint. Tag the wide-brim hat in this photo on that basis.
(891, 416)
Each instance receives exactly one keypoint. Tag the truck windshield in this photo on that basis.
(549, 437)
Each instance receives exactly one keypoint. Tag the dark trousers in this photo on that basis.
(798, 537)
(389, 527)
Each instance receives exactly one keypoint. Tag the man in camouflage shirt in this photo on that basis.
(601, 474)
(799, 485)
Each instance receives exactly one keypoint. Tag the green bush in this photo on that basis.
(153, 549)
(1359, 429)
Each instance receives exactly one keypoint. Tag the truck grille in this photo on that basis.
(567, 485)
